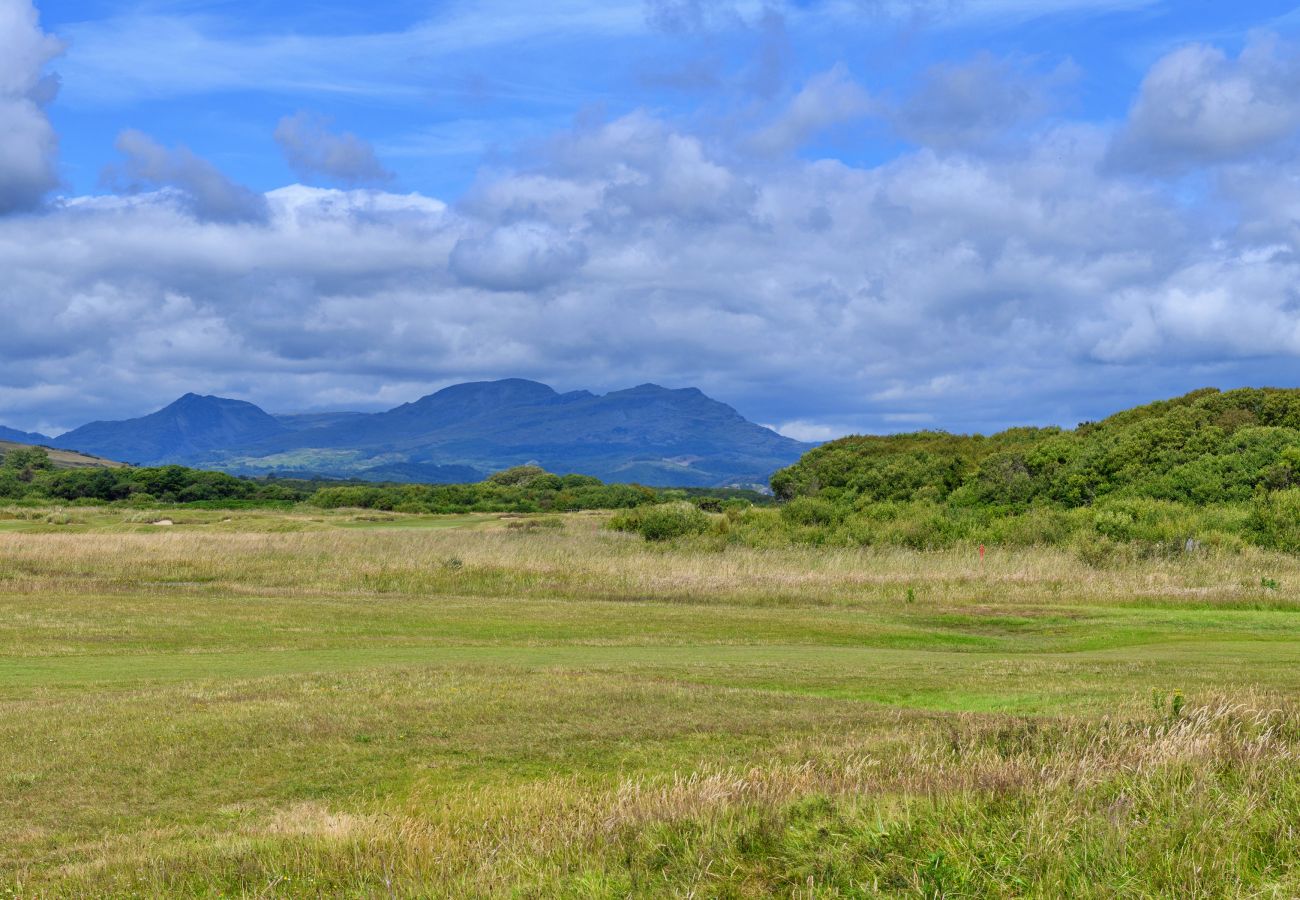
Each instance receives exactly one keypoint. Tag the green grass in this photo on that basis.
(300, 703)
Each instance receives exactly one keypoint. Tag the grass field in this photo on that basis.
(263, 703)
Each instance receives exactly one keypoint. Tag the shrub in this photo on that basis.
(663, 521)
(810, 511)
(1274, 519)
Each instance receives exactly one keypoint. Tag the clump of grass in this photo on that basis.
(553, 523)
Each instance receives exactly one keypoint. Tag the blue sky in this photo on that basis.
(851, 215)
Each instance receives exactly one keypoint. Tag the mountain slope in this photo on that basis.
(185, 431)
(647, 433)
(303, 421)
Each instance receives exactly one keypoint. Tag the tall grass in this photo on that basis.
(1203, 805)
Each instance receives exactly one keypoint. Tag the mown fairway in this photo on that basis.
(286, 704)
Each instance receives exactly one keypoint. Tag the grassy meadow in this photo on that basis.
(277, 703)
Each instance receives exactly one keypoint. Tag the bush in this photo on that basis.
(1274, 520)
(1205, 448)
(663, 521)
(810, 511)
(1210, 469)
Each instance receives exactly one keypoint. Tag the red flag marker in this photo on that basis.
(981, 553)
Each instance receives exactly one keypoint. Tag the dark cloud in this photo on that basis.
(313, 151)
(204, 190)
(28, 144)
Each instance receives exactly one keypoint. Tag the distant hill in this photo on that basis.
(22, 437)
(63, 459)
(647, 434)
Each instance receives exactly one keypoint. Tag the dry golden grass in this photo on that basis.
(589, 562)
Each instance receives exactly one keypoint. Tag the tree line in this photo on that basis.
(28, 474)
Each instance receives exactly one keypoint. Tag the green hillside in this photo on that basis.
(1211, 465)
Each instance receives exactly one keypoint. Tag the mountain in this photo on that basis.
(648, 434)
(22, 437)
(184, 432)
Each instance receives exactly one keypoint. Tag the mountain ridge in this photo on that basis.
(647, 433)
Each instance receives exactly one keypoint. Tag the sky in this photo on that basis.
(838, 216)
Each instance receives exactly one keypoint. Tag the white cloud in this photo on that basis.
(1231, 304)
(524, 256)
(201, 186)
(1198, 106)
(28, 144)
(812, 432)
(828, 99)
(314, 151)
(956, 288)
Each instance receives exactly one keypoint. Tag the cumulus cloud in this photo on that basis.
(524, 256)
(202, 187)
(1198, 106)
(1267, 199)
(957, 290)
(313, 151)
(634, 168)
(28, 144)
(1243, 303)
(828, 99)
